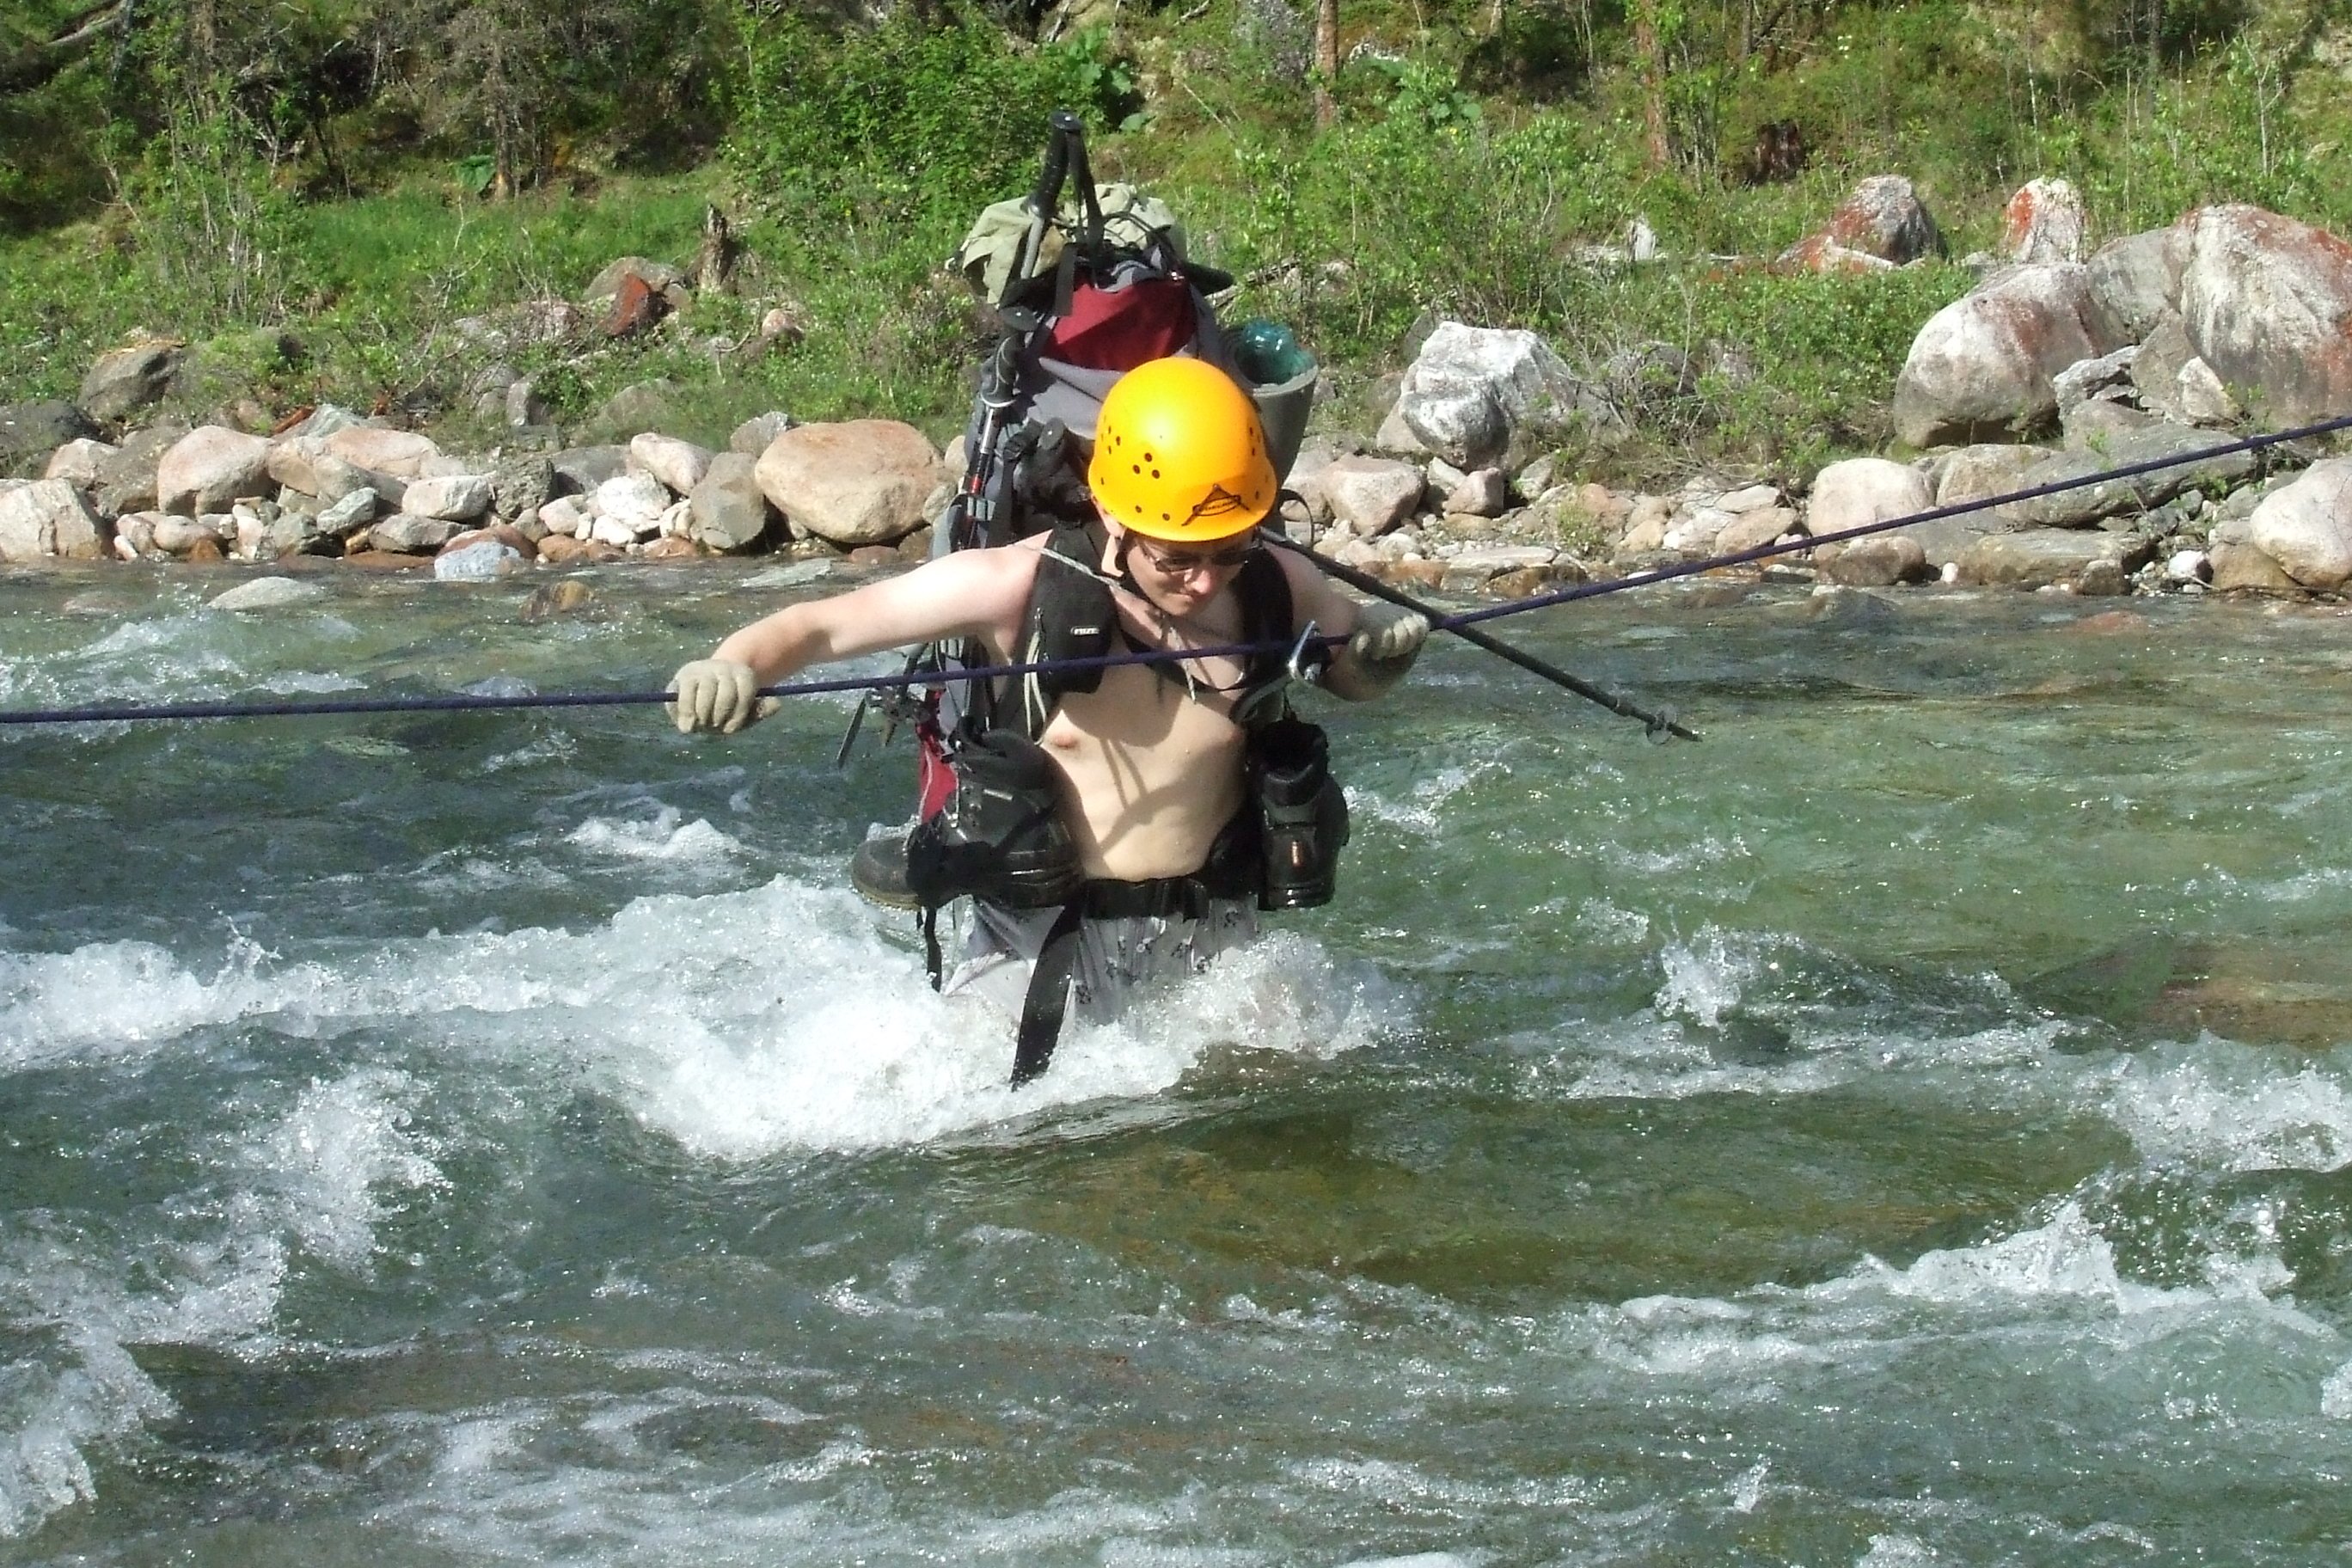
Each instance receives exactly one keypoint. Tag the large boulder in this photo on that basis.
(126, 381)
(860, 482)
(2043, 222)
(633, 501)
(2157, 370)
(521, 483)
(209, 536)
(1820, 253)
(752, 436)
(126, 478)
(2088, 505)
(78, 460)
(263, 594)
(1884, 219)
(1982, 368)
(29, 432)
(47, 519)
(1858, 491)
(305, 467)
(656, 276)
(2134, 282)
(209, 467)
(322, 422)
(1880, 561)
(578, 470)
(404, 534)
(679, 465)
(2049, 556)
(2306, 525)
(727, 509)
(1855, 493)
(453, 498)
(2267, 302)
(2242, 567)
(400, 453)
(1369, 495)
(1472, 390)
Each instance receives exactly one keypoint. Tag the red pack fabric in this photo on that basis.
(1118, 329)
(934, 774)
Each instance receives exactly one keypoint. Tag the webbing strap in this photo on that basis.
(1048, 997)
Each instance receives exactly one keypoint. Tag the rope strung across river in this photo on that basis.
(1456, 623)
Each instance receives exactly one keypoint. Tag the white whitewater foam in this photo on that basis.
(115, 998)
(334, 1155)
(2230, 1105)
(739, 1024)
(2066, 1258)
(1423, 810)
(1707, 977)
(539, 1481)
(315, 1178)
(184, 654)
(665, 838)
(1607, 923)
(874, 1058)
(2335, 1393)
(1651, 864)
(2056, 1283)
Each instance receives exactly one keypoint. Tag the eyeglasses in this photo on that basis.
(1176, 563)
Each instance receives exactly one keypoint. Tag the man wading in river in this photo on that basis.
(1111, 825)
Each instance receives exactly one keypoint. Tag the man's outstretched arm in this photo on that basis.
(977, 593)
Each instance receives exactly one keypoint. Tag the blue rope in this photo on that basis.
(457, 702)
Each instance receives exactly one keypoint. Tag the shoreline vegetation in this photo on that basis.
(674, 219)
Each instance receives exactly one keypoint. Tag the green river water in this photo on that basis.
(1909, 1127)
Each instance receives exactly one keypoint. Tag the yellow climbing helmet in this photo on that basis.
(1180, 455)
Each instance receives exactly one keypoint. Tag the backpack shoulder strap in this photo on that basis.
(1266, 613)
(1070, 616)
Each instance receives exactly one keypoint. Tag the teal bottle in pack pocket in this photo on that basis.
(1281, 375)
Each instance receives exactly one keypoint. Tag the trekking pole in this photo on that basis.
(1660, 724)
(1066, 131)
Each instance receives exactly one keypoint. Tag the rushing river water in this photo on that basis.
(1910, 1127)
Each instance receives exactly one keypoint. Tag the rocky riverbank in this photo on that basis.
(2160, 347)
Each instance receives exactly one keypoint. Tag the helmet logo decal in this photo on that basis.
(1218, 503)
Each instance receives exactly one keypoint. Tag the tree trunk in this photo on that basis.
(714, 268)
(1649, 60)
(1327, 61)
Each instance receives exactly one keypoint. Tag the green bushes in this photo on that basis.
(881, 142)
(1472, 173)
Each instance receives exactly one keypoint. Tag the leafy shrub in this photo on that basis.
(883, 137)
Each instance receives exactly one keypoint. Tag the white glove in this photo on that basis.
(721, 694)
(1387, 639)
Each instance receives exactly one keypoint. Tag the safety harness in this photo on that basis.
(998, 836)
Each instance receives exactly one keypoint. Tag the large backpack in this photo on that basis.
(1084, 281)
